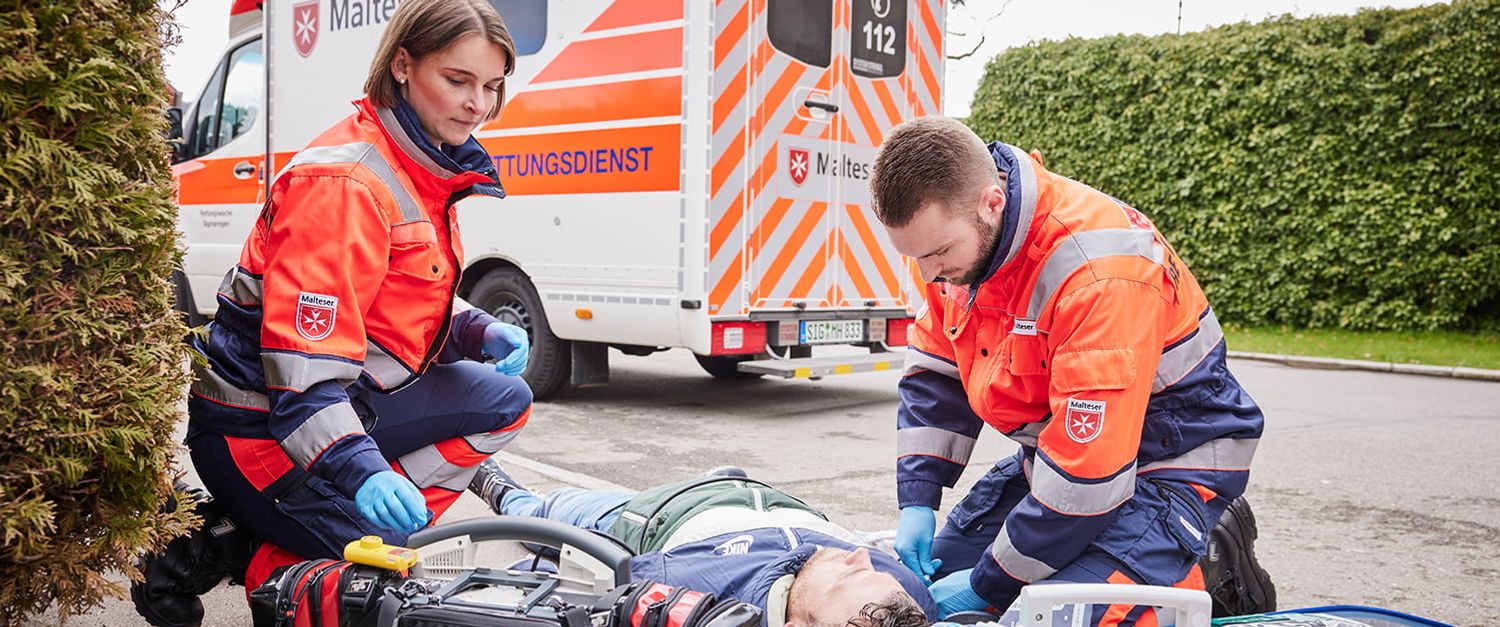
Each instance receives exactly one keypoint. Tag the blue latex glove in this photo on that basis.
(954, 594)
(507, 343)
(914, 540)
(392, 501)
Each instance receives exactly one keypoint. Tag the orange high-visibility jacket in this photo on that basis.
(346, 284)
(1088, 342)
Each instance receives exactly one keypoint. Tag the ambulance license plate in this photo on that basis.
(832, 331)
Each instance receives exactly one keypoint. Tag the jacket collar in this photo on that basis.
(463, 170)
(763, 585)
(1020, 208)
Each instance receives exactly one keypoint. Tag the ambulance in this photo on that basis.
(681, 173)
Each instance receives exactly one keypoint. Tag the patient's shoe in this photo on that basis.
(726, 471)
(1233, 578)
(491, 483)
(191, 565)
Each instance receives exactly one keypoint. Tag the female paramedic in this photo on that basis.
(334, 399)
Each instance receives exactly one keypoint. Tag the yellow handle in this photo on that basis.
(372, 551)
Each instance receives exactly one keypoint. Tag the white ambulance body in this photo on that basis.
(681, 173)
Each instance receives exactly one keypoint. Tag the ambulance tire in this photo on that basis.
(509, 296)
(727, 368)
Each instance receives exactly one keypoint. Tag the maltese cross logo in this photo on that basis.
(305, 26)
(316, 315)
(798, 164)
(1085, 420)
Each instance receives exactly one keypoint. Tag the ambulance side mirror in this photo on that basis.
(174, 132)
(174, 124)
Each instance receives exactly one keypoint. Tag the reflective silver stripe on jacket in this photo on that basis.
(240, 287)
(405, 143)
(934, 442)
(320, 431)
(1027, 209)
(291, 371)
(1181, 359)
(384, 369)
(365, 154)
(1027, 435)
(1023, 567)
(493, 441)
(1221, 454)
(1080, 499)
(1076, 251)
(460, 305)
(918, 360)
(208, 384)
(427, 467)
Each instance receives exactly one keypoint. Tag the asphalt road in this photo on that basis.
(1370, 489)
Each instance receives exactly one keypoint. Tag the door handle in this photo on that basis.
(826, 106)
(244, 170)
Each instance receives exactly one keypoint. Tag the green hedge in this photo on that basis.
(1324, 172)
(92, 354)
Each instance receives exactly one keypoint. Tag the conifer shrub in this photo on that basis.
(91, 357)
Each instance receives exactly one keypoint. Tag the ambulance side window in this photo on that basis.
(230, 103)
(527, 22)
(877, 38)
(802, 29)
(204, 129)
(242, 92)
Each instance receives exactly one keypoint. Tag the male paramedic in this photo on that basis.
(1058, 315)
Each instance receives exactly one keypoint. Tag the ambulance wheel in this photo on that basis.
(509, 296)
(727, 368)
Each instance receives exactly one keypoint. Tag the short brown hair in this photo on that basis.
(931, 159)
(426, 26)
(896, 610)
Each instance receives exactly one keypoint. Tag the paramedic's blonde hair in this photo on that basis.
(426, 26)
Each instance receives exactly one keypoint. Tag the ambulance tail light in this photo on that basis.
(895, 331)
(738, 338)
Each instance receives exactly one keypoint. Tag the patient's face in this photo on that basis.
(834, 585)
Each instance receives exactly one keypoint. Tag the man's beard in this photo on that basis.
(990, 235)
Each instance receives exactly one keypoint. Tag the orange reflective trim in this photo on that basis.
(753, 244)
(727, 283)
(639, 52)
(799, 237)
(732, 214)
(804, 284)
(1204, 493)
(727, 163)
(872, 245)
(887, 102)
(734, 91)
(640, 159)
(856, 274)
(930, 24)
(866, 116)
(929, 80)
(625, 13)
(758, 182)
(647, 98)
(731, 33)
(212, 182)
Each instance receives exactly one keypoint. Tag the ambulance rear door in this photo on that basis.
(804, 92)
(890, 54)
